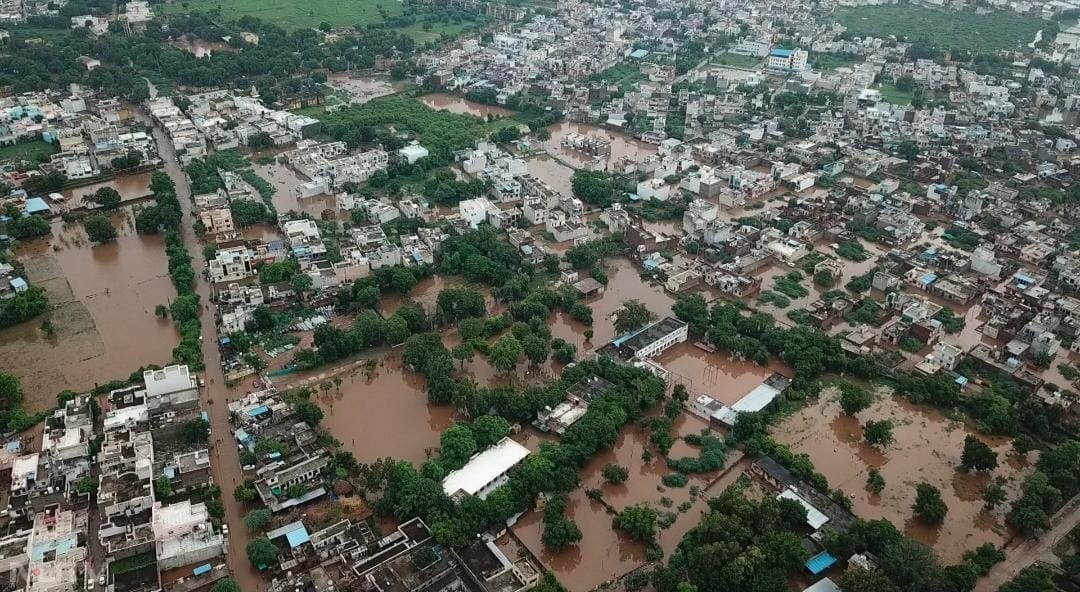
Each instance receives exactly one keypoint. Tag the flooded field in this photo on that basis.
(605, 553)
(624, 283)
(384, 413)
(200, 48)
(927, 448)
(103, 300)
(130, 187)
(463, 106)
(621, 145)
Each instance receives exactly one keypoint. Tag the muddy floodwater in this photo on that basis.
(927, 448)
(621, 145)
(130, 187)
(286, 181)
(383, 412)
(463, 106)
(552, 172)
(624, 283)
(103, 300)
(604, 552)
(715, 374)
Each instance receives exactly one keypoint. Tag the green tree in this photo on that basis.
(261, 552)
(196, 431)
(106, 197)
(929, 507)
(875, 482)
(1031, 579)
(162, 488)
(878, 433)
(977, 455)
(854, 399)
(861, 580)
(639, 522)
(226, 585)
(489, 429)
(462, 352)
(615, 473)
(536, 349)
(632, 315)
(458, 444)
(245, 493)
(560, 534)
(994, 493)
(99, 228)
(505, 353)
(257, 519)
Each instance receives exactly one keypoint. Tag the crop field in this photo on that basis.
(295, 15)
(958, 30)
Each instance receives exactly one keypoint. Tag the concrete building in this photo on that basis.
(486, 471)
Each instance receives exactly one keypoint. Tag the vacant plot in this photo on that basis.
(957, 30)
(737, 61)
(295, 15)
(32, 151)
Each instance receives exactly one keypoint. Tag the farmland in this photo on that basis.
(296, 15)
(958, 30)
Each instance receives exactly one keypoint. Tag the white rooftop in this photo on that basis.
(485, 467)
(823, 585)
(814, 518)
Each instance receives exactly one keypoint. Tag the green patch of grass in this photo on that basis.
(948, 29)
(891, 94)
(290, 14)
(35, 151)
(826, 62)
(737, 61)
(434, 32)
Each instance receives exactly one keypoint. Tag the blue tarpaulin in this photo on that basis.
(259, 411)
(202, 569)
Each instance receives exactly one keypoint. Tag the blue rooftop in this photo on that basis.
(781, 53)
(299, 536)
(639, 53)
(202, 569)
(820, 562)
(259, 411)
(928, 279)
(36, 205)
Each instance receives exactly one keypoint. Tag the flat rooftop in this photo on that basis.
(485, 467)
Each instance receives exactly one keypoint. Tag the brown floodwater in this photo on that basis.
(715, 374)
(286, 180)
(621, 145)
(384, 412)
(927, 448)
(103, 300)
(201, 48)
(552, 172)
(624, 283)
(604, 552)
(129, 187)
(463, 106)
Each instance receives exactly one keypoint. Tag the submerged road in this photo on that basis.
(224, 456)
(1030, 549)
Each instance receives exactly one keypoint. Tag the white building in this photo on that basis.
(413, 152)
(486, 471)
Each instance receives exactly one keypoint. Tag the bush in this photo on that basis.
(615, 473)
(675, 480)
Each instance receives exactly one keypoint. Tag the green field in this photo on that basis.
(891, 94)
(955, 30)
(826, 62)
(291, 14)
(26, 151)
(737, 61)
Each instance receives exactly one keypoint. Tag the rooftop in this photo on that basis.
(485, 467)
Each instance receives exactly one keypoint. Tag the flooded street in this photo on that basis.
(463, 106)
(927, 448)
(285, 199)
(103, 300)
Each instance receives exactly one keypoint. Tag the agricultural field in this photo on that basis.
(33, 151)
(295, 15)
(957, 30)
